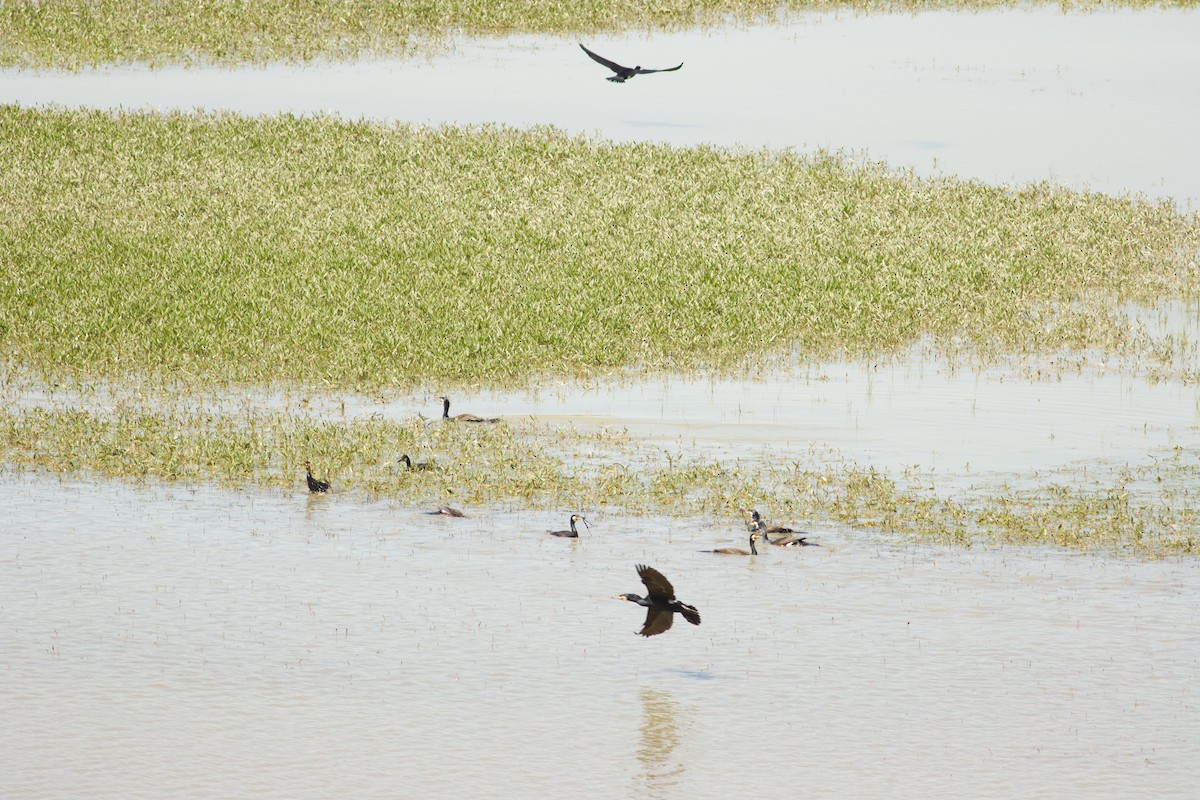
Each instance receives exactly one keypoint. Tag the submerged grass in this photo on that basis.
(203, 249)
(1152, 510)
(70, 33)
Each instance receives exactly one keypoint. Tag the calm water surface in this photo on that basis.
(175, 641)
(1104, 100)
(192, 642)
(964, 425)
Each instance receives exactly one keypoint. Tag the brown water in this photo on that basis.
(169, 641)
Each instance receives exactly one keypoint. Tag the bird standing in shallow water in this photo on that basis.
(462, 417)
(446, 511)
(572, 534)
(408, 463)
(314, 484)
(659, 602)
(790, 537)
(737, 551)
(623, 73)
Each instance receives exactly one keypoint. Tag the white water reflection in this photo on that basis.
(1102, 100)
(193, 642)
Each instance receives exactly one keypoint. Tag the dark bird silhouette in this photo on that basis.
(446, 511)
(789, 537)
(462, 417)
(572, 534)
(659, 602)
(737, 551)
(315, 484)
(408, 463)
(623, 73)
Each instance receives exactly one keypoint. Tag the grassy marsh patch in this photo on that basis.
(200, 249)
(76, 32)
(72, 33)
(1150, 509)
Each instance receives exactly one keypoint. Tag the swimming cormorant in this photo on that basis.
(408, 463)
(446, 511)
(572, 534)
(659, 602)
(737, 551)
(623, 73)
(315, 484)
(462, 417)
(790, 537)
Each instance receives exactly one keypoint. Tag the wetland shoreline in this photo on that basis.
(197, 251)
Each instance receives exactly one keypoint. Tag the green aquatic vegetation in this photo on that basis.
(71, 33)
(1150, 509)
(196, 249)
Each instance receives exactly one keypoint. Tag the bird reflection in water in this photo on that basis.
(661, 770)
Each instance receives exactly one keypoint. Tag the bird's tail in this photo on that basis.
(689, 613)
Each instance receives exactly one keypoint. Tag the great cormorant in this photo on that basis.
(659, 602)
(446, 511)
(462, 417)
(572, 534)
(623, 73)
(737, 551)
(408, 463)
(315, 484)
(789, 537)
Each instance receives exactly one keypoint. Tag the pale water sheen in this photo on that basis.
(961, 425)
(172, 641)
(1104, 100)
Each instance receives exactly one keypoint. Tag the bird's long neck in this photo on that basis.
(445, 408)
(573, 531)
(753, 549)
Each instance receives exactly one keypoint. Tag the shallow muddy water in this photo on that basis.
(1102, 100)
(168, 641)
(965, 426)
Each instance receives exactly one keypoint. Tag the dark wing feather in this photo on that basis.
(670, 69)
(794, 540)
(599, 59)
(657, 622)
(659, 588)
(689, 613)
(446, 511)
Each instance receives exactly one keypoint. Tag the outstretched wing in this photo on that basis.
(657, 622)
(446, 511)
(659, 588)
(599, 59)
(671, 69)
